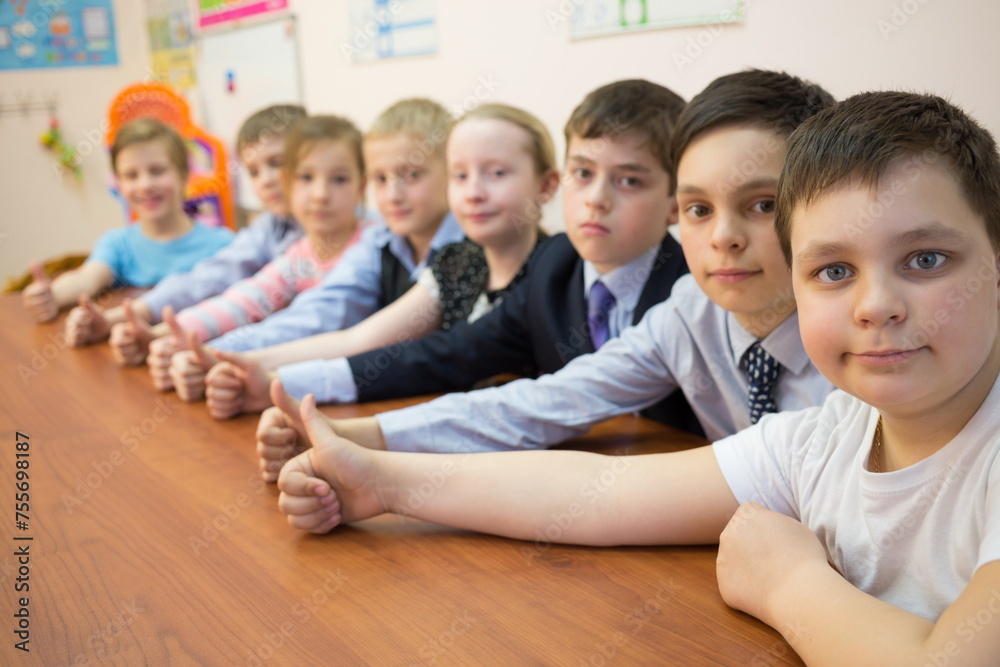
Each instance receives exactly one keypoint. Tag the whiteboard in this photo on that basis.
(262, 62)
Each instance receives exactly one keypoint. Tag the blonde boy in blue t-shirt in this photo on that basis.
(889, 217)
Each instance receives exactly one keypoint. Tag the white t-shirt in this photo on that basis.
(912, 537)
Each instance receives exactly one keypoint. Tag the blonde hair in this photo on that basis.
(540, 145)
(311, 130)
(145, 130)
(422, 118)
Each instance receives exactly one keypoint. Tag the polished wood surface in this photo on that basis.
(154, 542)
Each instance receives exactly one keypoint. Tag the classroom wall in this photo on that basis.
(519, 52)
(44, 213)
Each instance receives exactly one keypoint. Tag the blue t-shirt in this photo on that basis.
(138, 260)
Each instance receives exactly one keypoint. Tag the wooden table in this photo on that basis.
(152, 541)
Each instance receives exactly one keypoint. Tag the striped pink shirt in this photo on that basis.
(270, 289)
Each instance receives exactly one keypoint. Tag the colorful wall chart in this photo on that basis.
(170, 42)
(382, 29)
(57, 33)
(592, 18)
(214, 13)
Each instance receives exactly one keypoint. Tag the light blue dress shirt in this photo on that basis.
(333, 382)
(348, 294)
(686, 342)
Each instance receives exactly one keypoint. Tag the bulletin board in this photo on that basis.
(64, 33)
(593, 18)
(241, 71)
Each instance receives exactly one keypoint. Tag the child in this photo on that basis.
(324, 177)
(617, 206)
(407, 139)
(150, 162)
(260, 145)
(888, 216)
(727, 337)
(502, 169)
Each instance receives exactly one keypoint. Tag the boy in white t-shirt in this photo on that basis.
(888, 211)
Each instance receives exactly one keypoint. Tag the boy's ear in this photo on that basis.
(675, 212)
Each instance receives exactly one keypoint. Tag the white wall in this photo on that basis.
(949, 48)
(44, 214)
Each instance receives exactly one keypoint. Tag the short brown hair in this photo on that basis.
(144, 130)
(274, 120)
(311, 130)
(632, 106)
(421, 118)
(763, 99)
(861, 137)
(540, 146)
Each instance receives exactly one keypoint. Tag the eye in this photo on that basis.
(253, 173)
(629, 182)
(926, 260)
(582, 173)
(697, 210)
(380, 179)
(275, 162)
(340, 180)
(764, 206)
(411, 175)
(834, 273)
(305, 177)
(458, 176)
(498, 173)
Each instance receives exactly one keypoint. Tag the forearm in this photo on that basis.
(502, 494)
(830, 622)
(566, 496)
(87, 280)
(304, 349)
(364, 431)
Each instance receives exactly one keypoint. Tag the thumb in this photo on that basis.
(206, 357)
(285, 402)
(170, 318)
(38, 273)
(86, 304)
(315, 425)
(130, 315)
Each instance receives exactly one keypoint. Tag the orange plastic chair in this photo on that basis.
(208, 190)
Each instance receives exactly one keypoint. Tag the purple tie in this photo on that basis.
(600, 302)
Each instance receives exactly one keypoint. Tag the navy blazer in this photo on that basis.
(539, 327)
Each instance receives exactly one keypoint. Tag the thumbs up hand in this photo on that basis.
(130, 339)
(189, 367)
(238, 384)
(37, 297)
(86, 323)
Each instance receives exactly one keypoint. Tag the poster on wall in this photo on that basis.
(171, 47)
(57, 33)
(382, 29)
(218, 13)
(593, 18)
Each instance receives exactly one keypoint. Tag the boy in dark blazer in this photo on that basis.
(615, 261)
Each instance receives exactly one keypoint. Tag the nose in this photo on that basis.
(596, 196)
(394, 187)
(877, 301)
(473, 189)
(728, 233)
